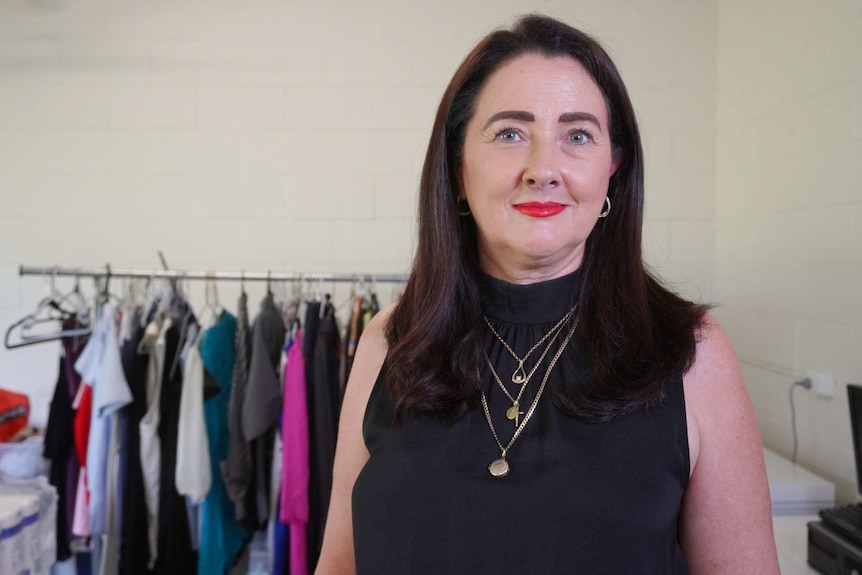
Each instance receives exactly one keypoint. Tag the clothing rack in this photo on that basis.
(109, 272)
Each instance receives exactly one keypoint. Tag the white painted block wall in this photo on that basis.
(789, 215)
(288, 135)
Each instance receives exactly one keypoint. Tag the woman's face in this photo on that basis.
(536, 166)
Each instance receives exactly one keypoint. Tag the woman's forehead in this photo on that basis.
(538, 83)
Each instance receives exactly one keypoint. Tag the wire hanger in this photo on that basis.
(77, 300)
(212, 310)
(104, 291)
(48, 310)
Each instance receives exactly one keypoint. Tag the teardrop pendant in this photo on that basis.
(519, 376)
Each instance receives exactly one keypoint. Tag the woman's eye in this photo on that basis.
(579, 136)
(508, 135)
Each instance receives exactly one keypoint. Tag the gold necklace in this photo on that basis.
(500, 467)
(520, 375)
(514, 412)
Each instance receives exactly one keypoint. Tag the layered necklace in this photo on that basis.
(500, 466)
(520, 376)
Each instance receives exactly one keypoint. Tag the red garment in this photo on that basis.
(14, 411)
(82, 424)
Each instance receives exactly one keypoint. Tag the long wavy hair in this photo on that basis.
(634, 333)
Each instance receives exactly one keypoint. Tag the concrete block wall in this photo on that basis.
(289, 135)
(789, 215)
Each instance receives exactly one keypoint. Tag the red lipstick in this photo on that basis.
(540, 209)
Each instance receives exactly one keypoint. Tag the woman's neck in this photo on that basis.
(528, 272)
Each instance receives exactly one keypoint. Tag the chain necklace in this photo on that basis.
(520, 375)
(500, 467)
(514, 413)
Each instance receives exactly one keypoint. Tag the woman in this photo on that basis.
(536, 402)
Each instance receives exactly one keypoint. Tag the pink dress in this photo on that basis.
(295, 465)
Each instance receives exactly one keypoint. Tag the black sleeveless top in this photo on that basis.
(579, 498)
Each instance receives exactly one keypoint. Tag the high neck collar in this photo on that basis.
(540, 302)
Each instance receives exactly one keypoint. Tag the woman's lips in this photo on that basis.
(540, 209)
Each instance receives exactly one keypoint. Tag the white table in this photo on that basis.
(795, 490)
(797, 495)
(791, 539)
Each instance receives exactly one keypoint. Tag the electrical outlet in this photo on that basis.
(823, 383)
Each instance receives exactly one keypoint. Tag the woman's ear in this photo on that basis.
(616, 159)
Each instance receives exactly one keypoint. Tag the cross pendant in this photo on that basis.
(514, 413)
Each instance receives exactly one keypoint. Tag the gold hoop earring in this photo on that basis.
(462, 212)
(607, 209)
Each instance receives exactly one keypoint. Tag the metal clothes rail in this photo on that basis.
(110, 272)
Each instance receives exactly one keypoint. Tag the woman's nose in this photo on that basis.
(541, 171)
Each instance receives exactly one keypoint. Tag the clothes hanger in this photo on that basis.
(49, 305)
(51, 301)
(187, 322)
(219, 309)
(32, 340)
(159, 295)
(351, 297)
(79, 304)
(105, 295)
(294, 301)
(183, 311)
(211, 312)
(375, 303)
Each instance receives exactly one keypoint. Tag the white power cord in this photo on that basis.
(806, 383)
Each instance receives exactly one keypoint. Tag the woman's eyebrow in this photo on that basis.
(570, 117)
(565, 118)
(510, 115)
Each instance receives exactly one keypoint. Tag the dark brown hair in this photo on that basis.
(635, 334)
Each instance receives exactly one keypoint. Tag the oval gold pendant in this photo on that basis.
(499, 468)
(512, 412)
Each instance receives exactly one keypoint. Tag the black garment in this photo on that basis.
(323, 426)
(270, 322)
(259, 489)
(59, 434)
(579, 498)
(58, 450)
(134, 538)
(174, 542)
(211, 386)
(309, 341)
(309, 338)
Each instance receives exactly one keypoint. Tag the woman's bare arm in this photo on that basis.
(726, 523)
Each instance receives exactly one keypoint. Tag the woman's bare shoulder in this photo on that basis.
(376, 328)
(373, 346)
(370, 354)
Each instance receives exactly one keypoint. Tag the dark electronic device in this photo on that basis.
(835, 542)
